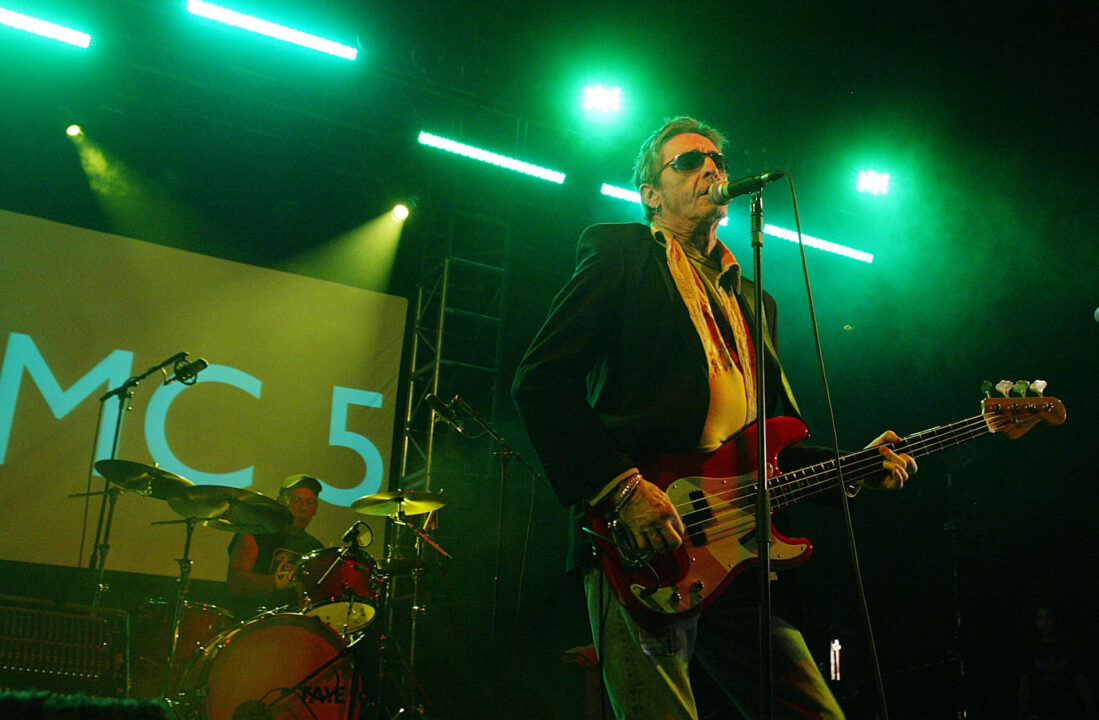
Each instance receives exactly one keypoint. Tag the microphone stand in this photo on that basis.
(125, 395)
(763, 492)
(507, 453)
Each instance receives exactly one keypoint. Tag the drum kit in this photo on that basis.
(208, 666)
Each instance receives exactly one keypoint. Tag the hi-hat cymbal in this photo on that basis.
(392, 504)
(147, 480)
(231, 509)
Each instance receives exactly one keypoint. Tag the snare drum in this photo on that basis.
(268, 668)
(339, 586)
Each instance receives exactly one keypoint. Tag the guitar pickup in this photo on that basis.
(699, 518)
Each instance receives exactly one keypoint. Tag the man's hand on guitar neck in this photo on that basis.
(897, 467)
(652, 519)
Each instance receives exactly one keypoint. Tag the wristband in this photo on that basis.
(626, 491)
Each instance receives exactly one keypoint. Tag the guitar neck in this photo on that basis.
(790, 487)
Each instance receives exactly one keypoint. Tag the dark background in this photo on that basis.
(984, 264)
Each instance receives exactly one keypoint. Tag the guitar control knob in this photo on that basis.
(674, 598)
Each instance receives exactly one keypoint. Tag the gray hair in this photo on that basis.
(646, 168)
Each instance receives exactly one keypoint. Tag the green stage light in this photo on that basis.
(634, 197)
(606, 100)
(265, 27)
(819, 244)
(45, 29)
(399, 212)
(620, 193)
(74, 131)
(491, 158)
(873, 182)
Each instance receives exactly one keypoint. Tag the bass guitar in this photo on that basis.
(715, 494)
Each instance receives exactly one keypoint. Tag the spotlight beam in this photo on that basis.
(46, 29)
(270, 29)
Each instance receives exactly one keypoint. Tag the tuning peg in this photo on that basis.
(986, 388)
(1004, 387)
(1039, 387)
(1020, 388)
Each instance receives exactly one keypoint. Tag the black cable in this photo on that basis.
(839, 468)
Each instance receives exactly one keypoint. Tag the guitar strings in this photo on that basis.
(821, 476)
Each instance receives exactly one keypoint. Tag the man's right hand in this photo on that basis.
(652, 519)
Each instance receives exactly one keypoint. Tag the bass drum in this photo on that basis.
(268, 668)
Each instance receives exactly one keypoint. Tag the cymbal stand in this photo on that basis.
(111, 497)
(185, 563)
(421, 537)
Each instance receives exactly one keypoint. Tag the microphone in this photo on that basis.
(722, 192)
(352, 534)
(187, 373)
(445, 412)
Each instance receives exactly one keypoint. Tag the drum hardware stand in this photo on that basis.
(182, 583)
(387, 645)
(100, 551)
(417, 609)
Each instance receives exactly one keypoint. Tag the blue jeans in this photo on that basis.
(646, 673)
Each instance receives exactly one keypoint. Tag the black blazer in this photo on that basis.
(618, 372)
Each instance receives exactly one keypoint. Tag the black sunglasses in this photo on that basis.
(692, 160)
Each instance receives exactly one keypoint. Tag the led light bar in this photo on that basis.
(270, 29)
(621, 193)
(819, 244)
(634, 197)
(45, 29)
(491, 158)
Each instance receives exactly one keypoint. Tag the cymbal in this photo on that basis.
(391, 504)
(252, 517)
(147, 480)
(231, 509)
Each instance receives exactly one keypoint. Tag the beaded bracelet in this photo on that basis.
(626, 491)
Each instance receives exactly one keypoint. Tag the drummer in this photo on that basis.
(261, 566)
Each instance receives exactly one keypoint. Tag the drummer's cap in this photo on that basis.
(300, 480)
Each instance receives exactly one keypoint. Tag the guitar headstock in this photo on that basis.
(1014, 416)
